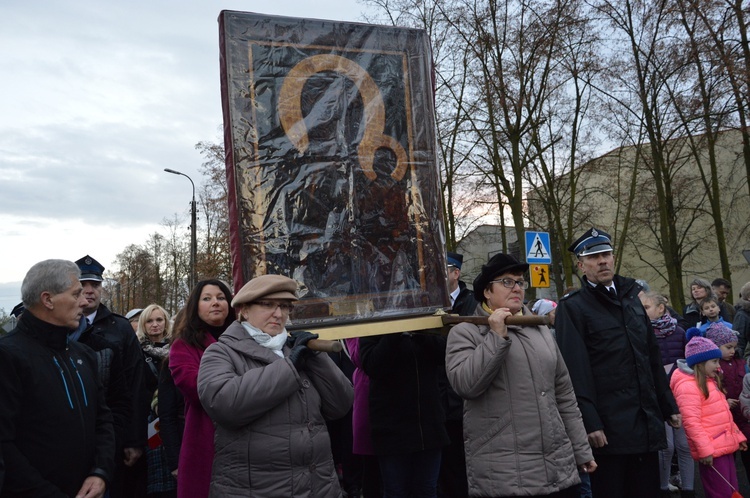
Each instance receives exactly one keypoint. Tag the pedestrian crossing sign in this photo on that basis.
(538, 248)
(539, 275)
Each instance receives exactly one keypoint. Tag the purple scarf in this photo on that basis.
(664, 326)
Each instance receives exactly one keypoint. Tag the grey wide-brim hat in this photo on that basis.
(268, 286)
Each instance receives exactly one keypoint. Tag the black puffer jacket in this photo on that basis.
(614, 362)
(55, 426)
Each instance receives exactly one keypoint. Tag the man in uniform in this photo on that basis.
(611, 352)
(462, 298)
(56, 434)
(117, 331)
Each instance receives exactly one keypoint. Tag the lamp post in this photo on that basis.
(193, 227)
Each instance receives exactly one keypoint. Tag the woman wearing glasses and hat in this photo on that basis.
(523, 432)
(269, 396)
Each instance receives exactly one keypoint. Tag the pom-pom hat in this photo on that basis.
(700, 349)
(268, 286)
(720, 334)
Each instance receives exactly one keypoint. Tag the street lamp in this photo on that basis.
(193, 227)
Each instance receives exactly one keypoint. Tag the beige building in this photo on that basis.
(605, 190)
(605, 193)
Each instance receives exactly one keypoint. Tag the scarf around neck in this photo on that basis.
(273, 342)
(664, 326)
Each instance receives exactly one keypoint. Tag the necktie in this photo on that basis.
(612, 293)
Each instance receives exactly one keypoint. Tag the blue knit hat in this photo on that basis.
(700, 349)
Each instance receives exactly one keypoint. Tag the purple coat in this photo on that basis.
(672, 347)
(361, 435)
(197, 451)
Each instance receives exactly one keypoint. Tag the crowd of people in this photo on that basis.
(609, 392)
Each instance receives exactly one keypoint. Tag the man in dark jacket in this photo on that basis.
(452, 482)
(117, 330)
(406, 417)
(611, 352)
(56, 433)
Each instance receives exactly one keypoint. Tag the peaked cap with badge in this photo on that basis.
(90, 268)
(594, 241)
(455, 259)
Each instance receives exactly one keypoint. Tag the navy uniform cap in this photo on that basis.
(90, 268)
(455, 259)
(593, 241)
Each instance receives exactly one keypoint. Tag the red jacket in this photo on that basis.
(708, 423)
(197, 451)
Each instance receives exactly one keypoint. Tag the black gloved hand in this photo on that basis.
(298, 342)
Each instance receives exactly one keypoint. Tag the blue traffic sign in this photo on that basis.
(538, 248)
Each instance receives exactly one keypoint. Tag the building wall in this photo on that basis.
(608, 180)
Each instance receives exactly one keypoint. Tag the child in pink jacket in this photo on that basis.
(712, 434)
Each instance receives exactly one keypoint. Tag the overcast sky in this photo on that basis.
(98, 97)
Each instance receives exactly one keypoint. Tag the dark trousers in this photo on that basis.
(413, 475)
(452, 481)
(626, 476)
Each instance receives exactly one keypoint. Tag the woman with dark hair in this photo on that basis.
(523, 433)
(700, 289)
(207, 314)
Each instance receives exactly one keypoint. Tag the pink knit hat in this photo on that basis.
(700, 349)
(720, 334)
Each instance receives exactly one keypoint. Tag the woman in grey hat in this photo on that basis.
(523, 433)
(269, 396)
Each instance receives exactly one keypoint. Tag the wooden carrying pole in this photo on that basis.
(431, 324)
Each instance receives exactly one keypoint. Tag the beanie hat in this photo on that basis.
(543, 307)
(720, 334)
(700, 349)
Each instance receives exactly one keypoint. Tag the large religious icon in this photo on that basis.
(331, 164)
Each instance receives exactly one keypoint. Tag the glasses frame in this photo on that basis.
(523, 284)
(271, 306)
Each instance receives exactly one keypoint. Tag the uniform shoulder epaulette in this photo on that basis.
(571, 293)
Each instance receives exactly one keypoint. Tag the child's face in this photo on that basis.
(712, 368)
(727, 350)
(710, 310)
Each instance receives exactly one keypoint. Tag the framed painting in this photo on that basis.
(332, 166)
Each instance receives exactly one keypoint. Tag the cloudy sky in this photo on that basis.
(98, 97)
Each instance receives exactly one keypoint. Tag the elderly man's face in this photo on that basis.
(598, 268)
(66, 308)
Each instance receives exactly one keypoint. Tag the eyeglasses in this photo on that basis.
(509, 283)
(271, 306)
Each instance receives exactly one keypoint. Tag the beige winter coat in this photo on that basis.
(271, 438)
(523, 433)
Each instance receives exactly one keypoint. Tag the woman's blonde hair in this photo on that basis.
(658, 299)
(145, 314)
